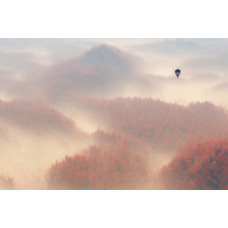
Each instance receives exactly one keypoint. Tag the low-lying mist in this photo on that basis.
(84, 114)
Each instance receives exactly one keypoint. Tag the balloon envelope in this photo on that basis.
(177, 72)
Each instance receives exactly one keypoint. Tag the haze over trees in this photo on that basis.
(86, 115)
(199, 166)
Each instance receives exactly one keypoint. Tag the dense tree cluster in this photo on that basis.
(137, 123)
(162, 124)
(114, 167)
(35, 115)
(198, 166)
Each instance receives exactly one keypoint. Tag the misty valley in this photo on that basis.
(106, 114)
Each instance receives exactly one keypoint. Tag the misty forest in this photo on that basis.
(110, 114)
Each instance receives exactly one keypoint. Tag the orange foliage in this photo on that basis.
(148, 129)
(199, 166)
(101, 168)
(162, 124)
(36, 116)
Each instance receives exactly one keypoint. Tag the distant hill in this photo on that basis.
(105, 56)
(101, 71)
(160, 123)
(35, 116)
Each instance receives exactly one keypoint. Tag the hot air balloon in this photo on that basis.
(177, 72)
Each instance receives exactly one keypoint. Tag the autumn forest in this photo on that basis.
(93, 114)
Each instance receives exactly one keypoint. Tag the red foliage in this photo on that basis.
(36, 116)
(161, 124)
(145, 125)
(100, 168)
(199, 166)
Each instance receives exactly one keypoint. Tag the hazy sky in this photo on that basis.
(179, 51)
(203, 63)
